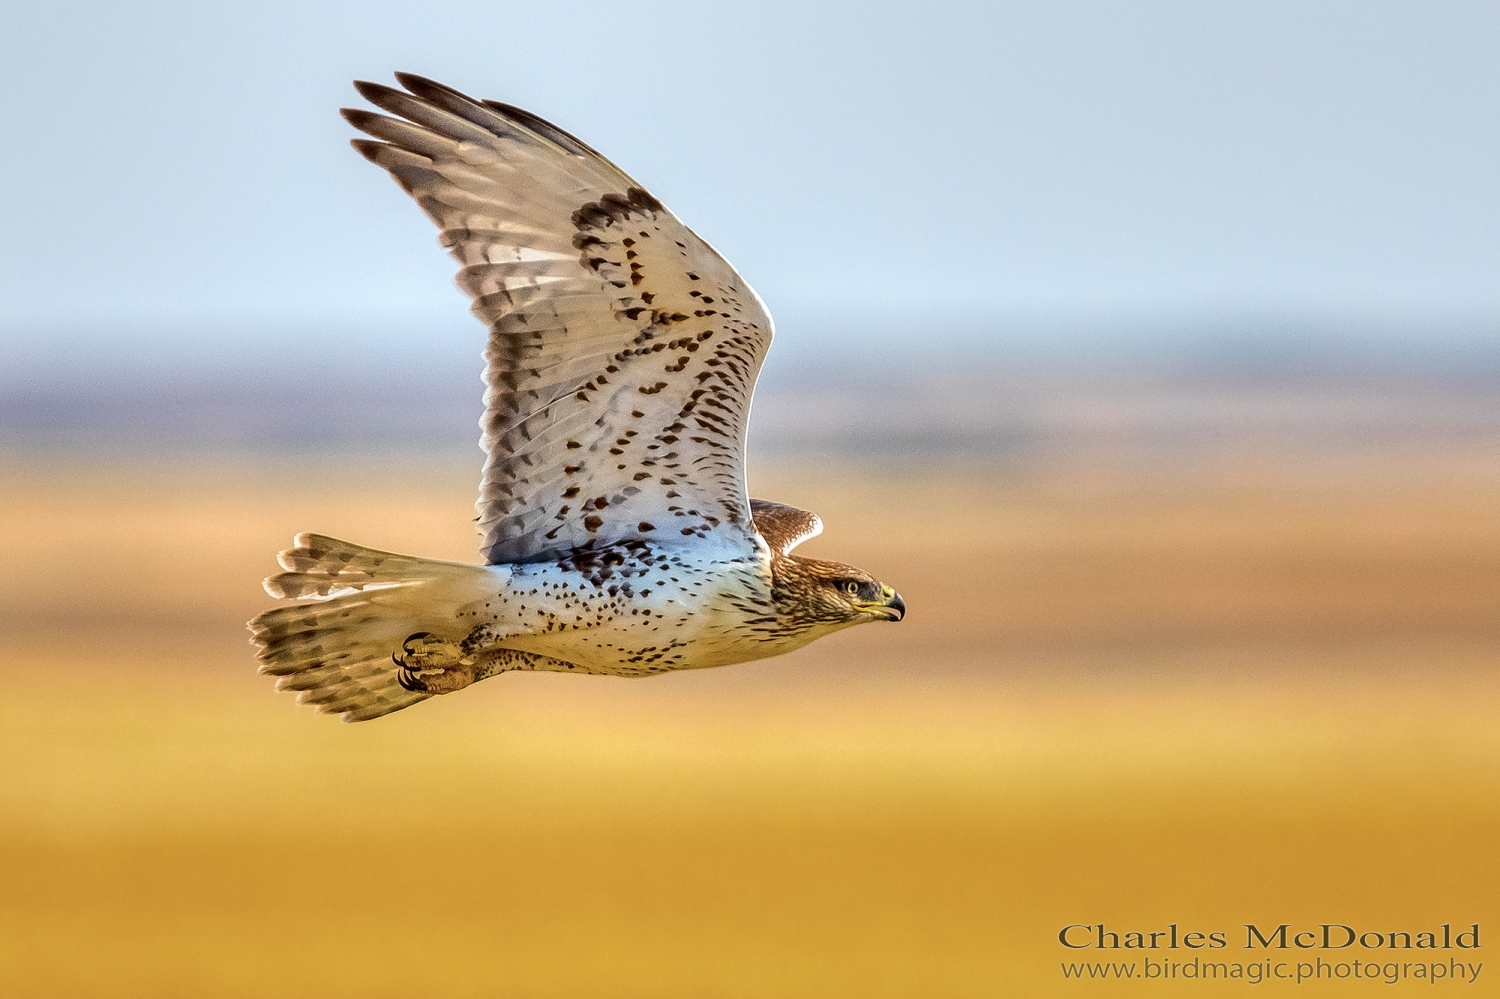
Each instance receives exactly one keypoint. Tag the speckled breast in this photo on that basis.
(630, 608)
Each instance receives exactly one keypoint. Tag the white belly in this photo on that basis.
(638, 616)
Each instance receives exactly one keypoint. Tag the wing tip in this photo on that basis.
(360, 118)
(370, 149)
(370, 90)
(422, 86)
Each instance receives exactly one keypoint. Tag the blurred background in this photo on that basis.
(1151, 350)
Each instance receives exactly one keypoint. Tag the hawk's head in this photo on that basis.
(816, 593)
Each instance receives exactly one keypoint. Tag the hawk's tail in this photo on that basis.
(355, 609)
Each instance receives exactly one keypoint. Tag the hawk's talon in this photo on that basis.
(409, 681)
(430, 665)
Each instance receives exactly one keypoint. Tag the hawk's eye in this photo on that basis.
(851, 587)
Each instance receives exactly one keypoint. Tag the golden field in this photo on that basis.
(1262, 692)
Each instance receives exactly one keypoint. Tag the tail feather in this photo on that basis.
(357, 607)
(320, 566)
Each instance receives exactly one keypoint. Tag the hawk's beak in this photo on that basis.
(892, 608)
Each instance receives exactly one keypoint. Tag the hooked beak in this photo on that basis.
(891, 608)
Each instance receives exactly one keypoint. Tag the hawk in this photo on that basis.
(617, 534)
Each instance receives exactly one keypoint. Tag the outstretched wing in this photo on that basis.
(623, 349)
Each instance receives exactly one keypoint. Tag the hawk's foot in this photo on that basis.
(434, 666)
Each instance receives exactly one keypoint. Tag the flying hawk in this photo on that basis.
(617, 533)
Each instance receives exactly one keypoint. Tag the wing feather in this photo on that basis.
(784, 527)
(623, 349)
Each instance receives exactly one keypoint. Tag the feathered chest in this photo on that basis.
(639, 606)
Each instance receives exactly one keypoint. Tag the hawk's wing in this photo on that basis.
(784, 527)
(623, 349)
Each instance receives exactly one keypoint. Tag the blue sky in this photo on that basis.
(176, 177)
